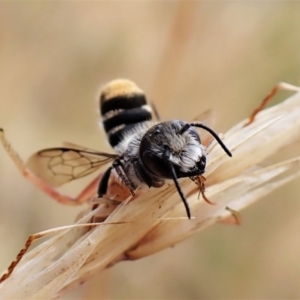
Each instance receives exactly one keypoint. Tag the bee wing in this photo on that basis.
(78, 147)
(57, 166)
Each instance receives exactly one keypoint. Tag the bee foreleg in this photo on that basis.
(201, 181)
(118, 166)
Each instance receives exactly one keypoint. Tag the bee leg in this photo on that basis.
(87, 192)
(200, 181)
(118, 166)
(102, 189)
(269, 97)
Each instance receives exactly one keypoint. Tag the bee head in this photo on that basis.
(185, 152)
(173, 149)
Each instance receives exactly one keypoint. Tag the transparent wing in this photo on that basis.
(57, 166)
(78, 147)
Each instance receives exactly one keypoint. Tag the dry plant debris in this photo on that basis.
(156, 219)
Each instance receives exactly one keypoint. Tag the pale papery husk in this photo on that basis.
(155, 220)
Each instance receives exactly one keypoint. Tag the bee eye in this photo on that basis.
(156, 164)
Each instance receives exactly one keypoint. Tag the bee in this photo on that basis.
(147, 152)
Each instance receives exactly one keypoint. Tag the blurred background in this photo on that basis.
(187, 57)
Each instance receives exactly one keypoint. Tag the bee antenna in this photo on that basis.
(166, 157)
(214, 134)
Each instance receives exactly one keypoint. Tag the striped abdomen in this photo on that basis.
(123, 105)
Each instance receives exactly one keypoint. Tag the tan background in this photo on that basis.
(187, 57)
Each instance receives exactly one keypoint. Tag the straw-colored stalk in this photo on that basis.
(154, 220)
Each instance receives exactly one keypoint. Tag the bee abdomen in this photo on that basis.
(123, 105)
